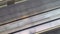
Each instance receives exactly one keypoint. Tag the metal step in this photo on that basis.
(26, 9)
(31, 21)
(24, 15)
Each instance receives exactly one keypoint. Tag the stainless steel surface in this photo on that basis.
(31, 21)
(29, 13)
(25, 9)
